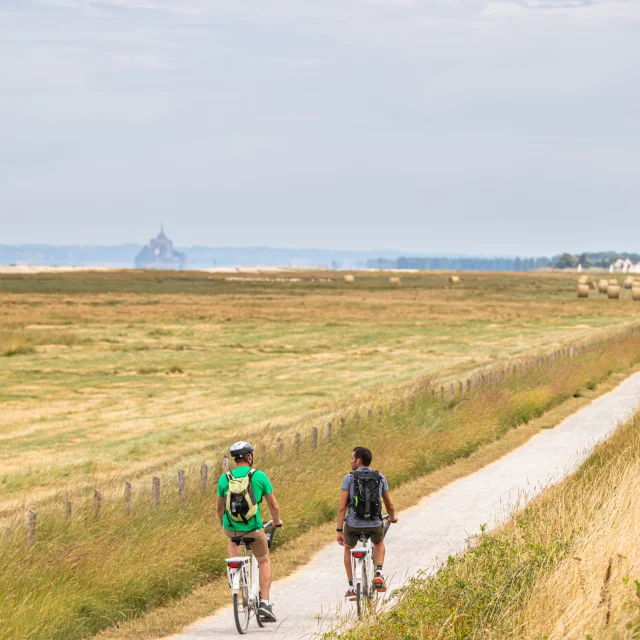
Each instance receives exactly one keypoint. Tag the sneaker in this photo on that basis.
(350, 594)
(265, 611)
(379, 584)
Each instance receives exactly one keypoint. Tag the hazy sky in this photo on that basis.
(473, 126)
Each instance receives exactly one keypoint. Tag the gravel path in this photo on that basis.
(310, 600)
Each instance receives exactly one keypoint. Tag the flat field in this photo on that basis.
(123, 373)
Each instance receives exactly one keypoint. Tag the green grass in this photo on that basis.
(87, 573)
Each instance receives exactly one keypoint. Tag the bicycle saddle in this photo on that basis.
(242, 540)
(366, 535)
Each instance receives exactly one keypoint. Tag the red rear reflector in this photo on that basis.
(233, 565)
(359, 554)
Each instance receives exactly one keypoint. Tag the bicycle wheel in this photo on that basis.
(362, 592)
(241, 605)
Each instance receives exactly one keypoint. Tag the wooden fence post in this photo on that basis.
(460, 387)
(380, 413)
(280, 446)
(441, 393)
(490, 378)
(401, 404)
(97, 498)
(182, 490)
(433, 393)
(204, 477)
(482, 380)
(225, 463)
(314, 437)
(31, 527)
(468, 385)
(67, 509)
(452, 390)
(155, 491)
(343, 421)
(298, 442)
(369, 414)
(127, 497)
(329, 432)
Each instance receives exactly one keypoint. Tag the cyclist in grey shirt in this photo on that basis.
(350, 526)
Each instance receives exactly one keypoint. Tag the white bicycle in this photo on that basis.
(363, 568)
(243, 580)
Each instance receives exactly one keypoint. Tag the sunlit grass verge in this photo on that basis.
(99, 568)
(566, 566)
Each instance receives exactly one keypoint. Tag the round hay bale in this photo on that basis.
(395, 280)
(635, 291)
(349, 279)
(583, 290)
(613, 281)
(628, 282)
(603, 285)
(592, 284)
(454, 279)
(583, 279)
(613, 291)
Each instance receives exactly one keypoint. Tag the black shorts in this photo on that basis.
(352, 534)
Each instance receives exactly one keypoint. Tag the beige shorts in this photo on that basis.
(259, 548)
(351, 534)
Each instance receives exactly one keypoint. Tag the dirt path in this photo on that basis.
(310, 600)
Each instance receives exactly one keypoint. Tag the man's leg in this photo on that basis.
(264, 569)
(347, 562)
(233, 549)
(378, 552)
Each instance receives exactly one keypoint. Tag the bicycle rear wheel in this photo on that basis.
(362, 592)
(241, 605)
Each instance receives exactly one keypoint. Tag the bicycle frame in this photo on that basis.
(243, 576)
(363, 568)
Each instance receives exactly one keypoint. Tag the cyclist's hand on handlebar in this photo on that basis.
(393, 518)
(340, 538)
(277, 523)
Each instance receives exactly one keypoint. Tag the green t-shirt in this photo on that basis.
(261, 487)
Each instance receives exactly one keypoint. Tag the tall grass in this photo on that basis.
(566, 566)
(93, 571)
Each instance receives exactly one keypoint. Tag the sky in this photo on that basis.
(455, 126)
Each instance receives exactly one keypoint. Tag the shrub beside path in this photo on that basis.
(310, 600)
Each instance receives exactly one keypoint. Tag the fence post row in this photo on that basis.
(181, 486)
(204, 477)
(31, 527)
(155, 491)
(127, 497)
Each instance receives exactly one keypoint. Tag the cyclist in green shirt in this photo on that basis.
(242, 453)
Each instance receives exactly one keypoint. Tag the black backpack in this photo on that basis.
(366, 501)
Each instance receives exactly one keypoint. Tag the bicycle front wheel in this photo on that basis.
(242, 606)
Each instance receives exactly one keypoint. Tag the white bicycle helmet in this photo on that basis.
(240, 449)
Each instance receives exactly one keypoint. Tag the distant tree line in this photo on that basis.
(603, 259)
(462, 264)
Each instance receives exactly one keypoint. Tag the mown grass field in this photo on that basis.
(125, 373)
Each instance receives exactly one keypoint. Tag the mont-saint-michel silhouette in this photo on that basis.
(160, 254)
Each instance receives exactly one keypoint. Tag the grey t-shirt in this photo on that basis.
(352, 519)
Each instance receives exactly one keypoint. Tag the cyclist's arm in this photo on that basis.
(342, 509)
(274, 508)
(386, 496)
(220, 507)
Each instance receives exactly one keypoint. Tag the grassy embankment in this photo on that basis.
(91, 572)
(128, 374)
(566, 566)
